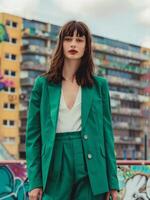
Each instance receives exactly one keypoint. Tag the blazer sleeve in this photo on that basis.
(33, 137)
(109, 138)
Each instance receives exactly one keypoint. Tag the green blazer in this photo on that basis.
(96, 121)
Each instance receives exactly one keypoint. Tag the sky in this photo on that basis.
(124, 20)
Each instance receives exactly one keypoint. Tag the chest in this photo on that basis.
(70, 97)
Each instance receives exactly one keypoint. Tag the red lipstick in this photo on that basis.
(72, 51)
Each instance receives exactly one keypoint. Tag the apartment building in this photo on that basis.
(9, 98)
(38, 41)
(146, 105)
(121, 63)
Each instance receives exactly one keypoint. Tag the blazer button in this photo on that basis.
(85, 137)
(89, 156)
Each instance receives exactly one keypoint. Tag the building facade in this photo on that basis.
(10, 55)
(121, 63)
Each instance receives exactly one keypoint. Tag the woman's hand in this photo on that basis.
(113, 193)
(35, 194)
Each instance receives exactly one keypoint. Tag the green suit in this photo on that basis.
(96, 124)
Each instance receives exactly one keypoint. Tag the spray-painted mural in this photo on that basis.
(134, 182)
(4, 83)
(13, 182)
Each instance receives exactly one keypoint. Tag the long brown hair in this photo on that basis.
(86, 69)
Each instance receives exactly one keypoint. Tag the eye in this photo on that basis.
(67, 39)
(79, 40)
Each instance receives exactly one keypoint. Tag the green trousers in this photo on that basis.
(68, 177)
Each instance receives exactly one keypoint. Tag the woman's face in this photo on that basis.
(75, 43)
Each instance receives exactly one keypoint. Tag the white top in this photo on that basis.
(69, 119)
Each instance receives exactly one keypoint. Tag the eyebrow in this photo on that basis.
(75, 37)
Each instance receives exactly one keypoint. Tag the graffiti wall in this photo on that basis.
(134, 181)
(13, 181)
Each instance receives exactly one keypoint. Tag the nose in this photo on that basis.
(73, 43)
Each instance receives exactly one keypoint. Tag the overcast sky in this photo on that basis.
(124, 20)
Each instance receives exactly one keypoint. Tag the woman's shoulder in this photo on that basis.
(38, 83)
(40, 79)
(100, 80)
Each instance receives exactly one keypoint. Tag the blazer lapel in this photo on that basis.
(86, 102)
(54, 91)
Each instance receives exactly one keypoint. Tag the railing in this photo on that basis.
(122, 66)
(39, 34)
(127, 111)
(36, 49)
(129, 96)
(27, 81)
(127, 125)
(118, 51)
(29, 65)
(124, 139)
(126, 82)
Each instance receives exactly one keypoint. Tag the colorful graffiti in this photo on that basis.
(3, 33)
(13, 182)
(4, 83)
(134, 182)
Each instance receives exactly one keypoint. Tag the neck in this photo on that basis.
(69, 69)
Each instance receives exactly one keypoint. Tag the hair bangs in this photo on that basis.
(72, 27)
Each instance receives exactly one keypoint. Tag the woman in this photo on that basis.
(69, 136)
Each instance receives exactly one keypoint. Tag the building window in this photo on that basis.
(13, 57)
(6, 72)
(10, 89)
(5, 105)
(14, 24)
(11, 24)
(9, 56)
(9, 123)
(12, 73)
(4, 122)
(12, 40)
(9, 140)
(10, 106)
(8, 23)
(9, 73)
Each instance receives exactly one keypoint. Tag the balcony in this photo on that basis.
(126, 82)
(120, 52)
(135, 125)
(128, 140)
(127, 111)
(33, 49)
(29, 65)
(27, 81)
(122, 66)
(129, 156)
(23, 114)
(30, 32)
(129, 96)
(128, 126)
(22, 128)
(22, 148)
